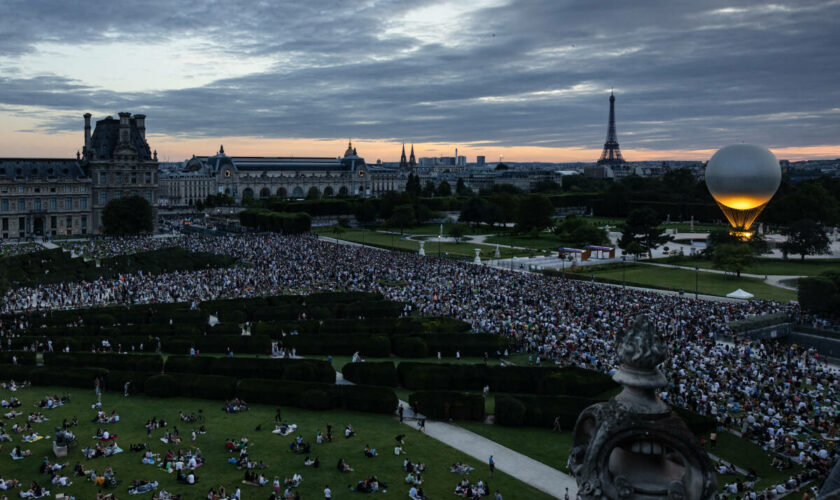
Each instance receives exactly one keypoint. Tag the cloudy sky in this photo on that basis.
(526, 79)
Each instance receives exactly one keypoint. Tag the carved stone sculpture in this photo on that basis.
(633, 446)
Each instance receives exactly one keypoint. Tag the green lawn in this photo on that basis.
(792, 267)
(543, 445)
(746, 454)
(684, 279)
(386, 240)
(546, 241)
(435, 229)
(376, 430)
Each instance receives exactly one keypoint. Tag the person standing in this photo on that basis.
(498, 496)
(278, 418)
(327, 492)
(492, 464)
(400, 411)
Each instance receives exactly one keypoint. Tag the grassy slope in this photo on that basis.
(376, 430)
(683, 279)
(387, 241)
(792, 267)
(746, 454)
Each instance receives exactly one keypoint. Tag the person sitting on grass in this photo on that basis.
(370, 485)
(314, 463)
(56, 478)
(414, 480)
(370, 452)
(294, 481)
(460, 468)
(349, 432)
(137, 447)
(35, 491)
(6, 484)
(4, 436)
(343, 467)
(137, 487)
(416, 493)
(187, 478)
(17, 453)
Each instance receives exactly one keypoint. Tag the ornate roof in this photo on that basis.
(40, 168)
(106, 136)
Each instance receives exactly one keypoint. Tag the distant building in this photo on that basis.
(60, 196)
(479, 161)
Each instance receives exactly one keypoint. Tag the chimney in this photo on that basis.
(87, 133)
(141, 125)
(125, 130)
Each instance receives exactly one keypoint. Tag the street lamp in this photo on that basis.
(439, 236)
(623, 273)
(696, 280)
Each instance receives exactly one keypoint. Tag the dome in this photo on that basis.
(743, 176)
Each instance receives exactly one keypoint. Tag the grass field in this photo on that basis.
(339, 361)
(746, 455)
(546, 241)
(792, 267)
(683, 279)
(376, 430)
(550, 448)
(385, 240)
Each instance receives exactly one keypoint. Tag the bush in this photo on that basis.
(375, 373)
(116, 380)
(206, 386)
(161, 386)
(264, 391)
(698, 424)
(278, 222)
(73, 377)
(311, 370)
(315, 399)
(372, 399)
(410, 347)
(510, 411)
(540, 411)
(447, 404)
(129, 362)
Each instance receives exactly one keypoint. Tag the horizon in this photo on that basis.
(527, 80)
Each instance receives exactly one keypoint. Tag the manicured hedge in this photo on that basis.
(309, 370)
(540, 411)
(116, 379)
(318, 396)
(18, 373)
(161, 386)
(367, 345)
(371, 373)
(469, 344)
(570, 381)
(409, 347)
(448, 404)
(206, 386)
(699, 424)
(132, 362)
(22, 357)
(73, 377)
(371, 399)
(278, 222)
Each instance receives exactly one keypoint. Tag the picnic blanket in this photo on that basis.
(290, 429)
(30, 439)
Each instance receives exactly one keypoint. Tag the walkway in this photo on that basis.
(542, 477)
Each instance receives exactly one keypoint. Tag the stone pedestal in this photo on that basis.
(477, 259)
(498, 254)
(60, 451)
(422, 251)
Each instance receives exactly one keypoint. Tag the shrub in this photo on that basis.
(161, 386)
(367, 398)
(255, 390)
(540, 411)
(448, 404)
(116, 380)
(410, 347)
(206, 386)
(129, 362)
(73, 377)
(371, 373)
(510, 411)
(315, 399)
(698, 424)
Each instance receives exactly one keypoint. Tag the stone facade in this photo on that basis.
(284, 177)
(59, 196)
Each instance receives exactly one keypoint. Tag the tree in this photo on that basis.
(461, 188)
(128, 216)
(402, 217)
(588, 234)
(805, 237)
(472, 211)
(365, 212)
(733, 257)
(444, 189)
(412, 187)
(642, 226)
(429, 189)
(820, 294)
(457, 231)
(313, 193)
(534, 213)
(501, 166)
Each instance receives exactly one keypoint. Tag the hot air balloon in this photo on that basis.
(742, 179)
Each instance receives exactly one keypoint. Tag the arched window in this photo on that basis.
(248, 193)
(343, 191)
(328, 191)
(281, 192)
(265, 192)
(297, 192)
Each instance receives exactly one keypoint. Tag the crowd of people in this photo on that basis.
(785, 398)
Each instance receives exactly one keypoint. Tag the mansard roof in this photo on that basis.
(106, 136)
(40, 168)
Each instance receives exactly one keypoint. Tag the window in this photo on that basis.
(227, 173)
(37, 204)
(133, 192)
(53, 203)
(103, 179)
(21, 205)
(4, 189)
(119, 178)
(117, 195)
(5, 205)
(5, 223)
(134, 177)
(68, 204)
(68, 189)
(83, 203)
(53, 222)
(69, 222)
(83, 189)
(52, 190)
(84, 221)
(20, 189)
(103, 197)
(148, 177)
(149, 196)
(37, 190)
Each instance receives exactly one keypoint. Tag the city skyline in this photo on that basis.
(688, 79)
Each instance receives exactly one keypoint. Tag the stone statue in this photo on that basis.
(633, 446)
(422, 251)
(477, 259)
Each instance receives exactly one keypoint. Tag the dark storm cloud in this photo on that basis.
(691, 75)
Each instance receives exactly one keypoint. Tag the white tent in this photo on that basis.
(740, 294)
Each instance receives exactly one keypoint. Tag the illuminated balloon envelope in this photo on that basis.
(742, 179)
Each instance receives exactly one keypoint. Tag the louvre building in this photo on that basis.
(56, 196)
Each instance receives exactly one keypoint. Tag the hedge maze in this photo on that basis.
(149, 347)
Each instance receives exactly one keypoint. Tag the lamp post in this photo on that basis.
(439, 237)
(623, 273)
(696, 281)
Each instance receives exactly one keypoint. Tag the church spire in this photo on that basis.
(403, 161)
(412, 162)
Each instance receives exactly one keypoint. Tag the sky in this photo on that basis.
(524, 80)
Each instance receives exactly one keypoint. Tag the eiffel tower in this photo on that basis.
(612, 153)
